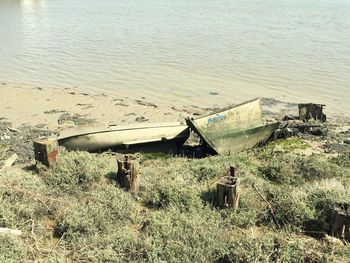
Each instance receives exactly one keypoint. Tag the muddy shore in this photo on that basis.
(58, 109)
(26, 114)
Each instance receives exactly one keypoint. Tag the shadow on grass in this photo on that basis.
(209, 196)
(112, 176)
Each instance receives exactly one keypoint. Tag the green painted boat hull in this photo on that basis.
(234, 130)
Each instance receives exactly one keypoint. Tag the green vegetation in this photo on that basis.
(288, 145)
(75, 211)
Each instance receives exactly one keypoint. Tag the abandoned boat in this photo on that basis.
(164, 137)
(235, 129)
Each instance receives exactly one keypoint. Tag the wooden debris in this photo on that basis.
(227, 190)
(10, 161)
(313, 111)
(46, 151)
(9, 231)
(12, 129)
(340, 222)
(128, 175)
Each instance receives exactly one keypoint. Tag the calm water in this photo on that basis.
(181, 51)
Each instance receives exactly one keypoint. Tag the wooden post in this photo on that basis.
(340, 224)
(46, 151)
(227, 190)
(309, 111)
(128, 175)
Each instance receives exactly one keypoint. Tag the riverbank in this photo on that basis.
(60, 109)
(74, 211)
(57, 109)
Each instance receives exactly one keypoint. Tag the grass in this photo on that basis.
(288, 145)
(75, 211)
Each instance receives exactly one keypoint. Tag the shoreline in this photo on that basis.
(59, 109)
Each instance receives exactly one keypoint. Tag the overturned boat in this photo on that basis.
(164, 137)
(235, 129)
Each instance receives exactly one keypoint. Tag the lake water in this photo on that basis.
(185, 51)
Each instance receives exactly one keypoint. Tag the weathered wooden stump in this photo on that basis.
(128, 175)
(309, 111)
(227, 190)
(46, 151)
(340, 222)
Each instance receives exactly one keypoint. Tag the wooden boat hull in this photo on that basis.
(165, 138)
(233, 130)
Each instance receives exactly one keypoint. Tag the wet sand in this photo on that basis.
(58, 109)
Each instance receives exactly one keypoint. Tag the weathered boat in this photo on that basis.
(164, 137)
(235, 129)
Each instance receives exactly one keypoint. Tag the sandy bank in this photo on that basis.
(58, 109)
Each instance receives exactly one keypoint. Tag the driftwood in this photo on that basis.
(46, 151)
(10, 161)
(340, 222)
(128, 175)
(227, 190)
(9, 231)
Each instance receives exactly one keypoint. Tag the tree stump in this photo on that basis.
(340, 222)
(227, 190)
(46, 151)
(309, 111)
(128, 175)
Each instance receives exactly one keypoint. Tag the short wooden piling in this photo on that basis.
(46, 151)
(128, 175)
(313, 111)
(227, 190)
